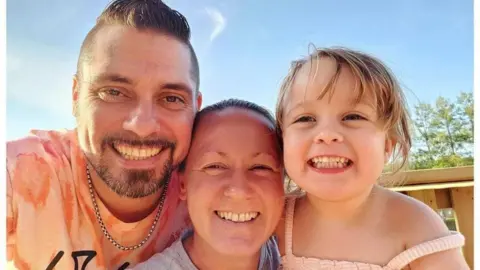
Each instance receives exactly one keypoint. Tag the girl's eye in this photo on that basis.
(353, 116)
(305, 119)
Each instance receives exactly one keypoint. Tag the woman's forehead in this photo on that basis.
(234, 129)
(232, 117)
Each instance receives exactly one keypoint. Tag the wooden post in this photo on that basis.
(462, 200)
(443, 198)
(427, 196)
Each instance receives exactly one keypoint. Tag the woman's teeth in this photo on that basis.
(135, 152)
(329, 162)
(237, 217)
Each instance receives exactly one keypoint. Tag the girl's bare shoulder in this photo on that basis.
(413, 220)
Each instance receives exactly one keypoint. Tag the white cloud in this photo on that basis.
(218, 20)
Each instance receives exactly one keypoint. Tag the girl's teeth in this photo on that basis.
(329, 162)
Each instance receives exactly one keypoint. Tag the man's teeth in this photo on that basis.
(136, 153)
(237, 217)
(330, 162)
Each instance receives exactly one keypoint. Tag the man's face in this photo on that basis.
(135, 102)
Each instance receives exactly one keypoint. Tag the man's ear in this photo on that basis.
(183, 186)
(199, 100)
(75, 93)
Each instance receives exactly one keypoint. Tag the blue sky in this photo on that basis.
(244, 48)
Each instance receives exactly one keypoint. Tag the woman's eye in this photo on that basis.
(214, 167)
(353, 116)
(305, 119)
(261, 167)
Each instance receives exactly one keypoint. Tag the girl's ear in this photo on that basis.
(389, 146)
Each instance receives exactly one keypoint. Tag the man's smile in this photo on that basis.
(130, 152)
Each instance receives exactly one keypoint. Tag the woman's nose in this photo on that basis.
(239, 187)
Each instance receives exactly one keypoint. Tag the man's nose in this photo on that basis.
(143, 120)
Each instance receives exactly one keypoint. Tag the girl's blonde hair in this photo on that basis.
(372, 78)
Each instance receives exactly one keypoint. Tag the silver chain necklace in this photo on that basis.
(104, 229)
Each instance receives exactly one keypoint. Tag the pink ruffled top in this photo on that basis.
(290, 261)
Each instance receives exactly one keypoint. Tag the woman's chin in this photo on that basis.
(236, 245)
(237, 248)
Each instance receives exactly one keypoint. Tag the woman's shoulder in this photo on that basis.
(174, 257)
(270, 254)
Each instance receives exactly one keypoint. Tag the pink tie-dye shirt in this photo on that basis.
(50, 219)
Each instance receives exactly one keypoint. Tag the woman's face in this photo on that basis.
(233, 181)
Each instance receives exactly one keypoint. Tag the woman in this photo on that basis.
(232, 184)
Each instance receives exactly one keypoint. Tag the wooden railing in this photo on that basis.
(450, 188)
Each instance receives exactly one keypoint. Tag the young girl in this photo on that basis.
(232, 182)
(342, 116)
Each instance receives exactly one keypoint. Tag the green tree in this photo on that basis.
(465, 112)
(443, 134)
(450, 126)
(425, 133)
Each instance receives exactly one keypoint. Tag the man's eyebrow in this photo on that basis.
(112, 78)
(178, 87)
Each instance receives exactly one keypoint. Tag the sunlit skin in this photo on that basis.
(234, 165)
(336, 201)
(336, 127)
(136, 90)
(344, 214)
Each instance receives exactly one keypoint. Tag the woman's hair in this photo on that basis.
(238, 104)
(373, 79)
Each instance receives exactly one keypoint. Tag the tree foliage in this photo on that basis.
(443, 133)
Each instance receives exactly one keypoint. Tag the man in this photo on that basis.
(105, 195)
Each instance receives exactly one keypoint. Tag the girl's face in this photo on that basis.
(334, 148)
(233, 181)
